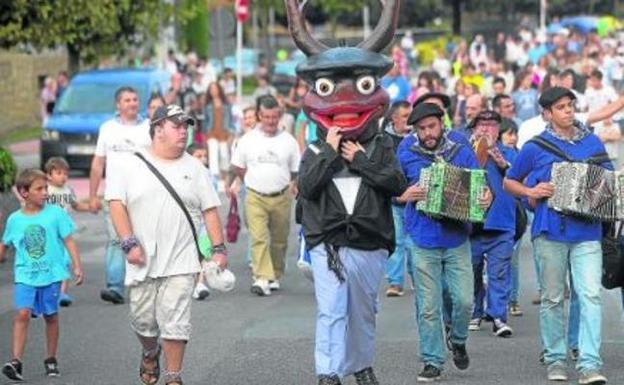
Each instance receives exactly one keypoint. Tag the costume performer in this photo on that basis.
(347, 179)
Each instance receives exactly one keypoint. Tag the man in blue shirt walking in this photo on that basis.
(439, 248)
(494, 239)
(563, 240)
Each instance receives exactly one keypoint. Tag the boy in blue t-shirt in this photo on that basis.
(39, 233)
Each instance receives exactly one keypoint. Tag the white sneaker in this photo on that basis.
(261, 287)
(201, 291)
(274, 285)
(501, 329)
(592, 377)
(474, 325)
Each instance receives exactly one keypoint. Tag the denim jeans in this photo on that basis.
(496, 248)
(115, 258)
(574, 318)
(430, 267)
(515, 272)
(536, 262)
(585, 262)
(395, 266)
(346, 311)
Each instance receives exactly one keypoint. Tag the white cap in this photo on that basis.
(217, 278)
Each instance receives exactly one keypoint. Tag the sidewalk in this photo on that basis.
(28, 147)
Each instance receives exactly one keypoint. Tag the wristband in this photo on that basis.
(129, 243)
(220, 248)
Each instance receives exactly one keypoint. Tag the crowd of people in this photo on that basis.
(485, 105)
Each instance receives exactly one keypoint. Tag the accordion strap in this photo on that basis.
(448, 157)
(553, 149)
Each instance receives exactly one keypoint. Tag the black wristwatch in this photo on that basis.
(220, 248)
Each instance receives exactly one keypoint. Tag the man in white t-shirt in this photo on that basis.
(597, 94)
(125, 132)
(268, 161)
(157, 239)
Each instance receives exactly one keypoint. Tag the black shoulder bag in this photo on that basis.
(175, 197)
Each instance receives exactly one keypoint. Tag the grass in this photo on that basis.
(20, 135)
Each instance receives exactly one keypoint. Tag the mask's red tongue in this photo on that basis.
(346, 119)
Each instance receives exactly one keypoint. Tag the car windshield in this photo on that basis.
(94, 98)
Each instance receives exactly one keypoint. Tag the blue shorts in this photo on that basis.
(39, 300)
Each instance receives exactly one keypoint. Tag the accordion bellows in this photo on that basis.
(452, 192)
(587, 191)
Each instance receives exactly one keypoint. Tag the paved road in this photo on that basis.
(241, 339)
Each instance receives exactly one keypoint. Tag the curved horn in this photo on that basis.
(297, 27)
(383, 33)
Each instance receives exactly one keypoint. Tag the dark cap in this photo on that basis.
(173, 113)
(424, 110)
(485, 115)
(446, 101)
(552, 95)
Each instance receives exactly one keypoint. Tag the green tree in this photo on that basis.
(89, 29)
(196, 29)
(334, 8)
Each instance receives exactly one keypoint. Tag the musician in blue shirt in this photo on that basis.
(494, 239)
(563, 240)
(440, 248)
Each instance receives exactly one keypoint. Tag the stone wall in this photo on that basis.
(20, 78)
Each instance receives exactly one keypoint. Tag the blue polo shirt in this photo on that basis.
(426, 232)
(502, 213)
(535, 163)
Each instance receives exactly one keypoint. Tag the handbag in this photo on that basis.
(232, 226)
(612, 255)
(175, 197)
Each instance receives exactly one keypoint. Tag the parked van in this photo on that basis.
(89, 100)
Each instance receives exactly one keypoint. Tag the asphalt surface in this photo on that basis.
(241, 339)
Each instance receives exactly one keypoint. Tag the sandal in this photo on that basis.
(147, 375)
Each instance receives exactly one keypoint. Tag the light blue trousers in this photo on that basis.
(115, 258)
(431, 267)
(346, 311)
(584, 259)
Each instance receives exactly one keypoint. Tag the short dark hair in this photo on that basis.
(507, 125)
(567, 72)
(496, 101)
(266, 102)
(596, 74)
(397, 105)
(122, 90)
(499, 79)
(56, 163)
(26, 178)
(156, 96)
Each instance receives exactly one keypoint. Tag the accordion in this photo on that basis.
(453, 192)
(587, 191)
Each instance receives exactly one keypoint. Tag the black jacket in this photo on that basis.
(324, 215)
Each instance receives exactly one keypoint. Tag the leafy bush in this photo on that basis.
(8, 170)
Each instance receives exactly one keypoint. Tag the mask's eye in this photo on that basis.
(324, 86)
(365, 85)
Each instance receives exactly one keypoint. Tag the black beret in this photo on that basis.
(485, 115)
(446, 101)
(424, 110)
(552, 95)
